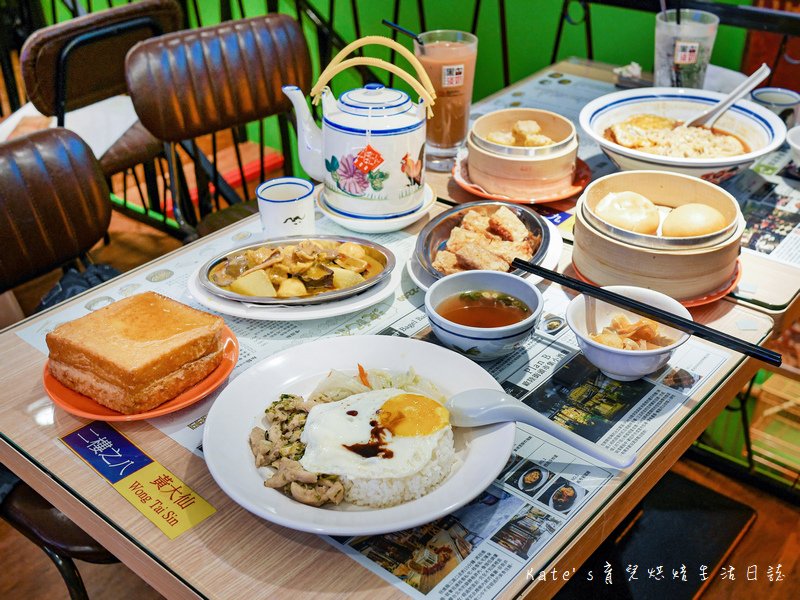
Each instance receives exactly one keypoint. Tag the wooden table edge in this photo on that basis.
(87, 518)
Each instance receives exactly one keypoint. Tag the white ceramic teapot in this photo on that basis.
(370, 151)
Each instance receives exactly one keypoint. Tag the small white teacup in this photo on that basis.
(286, 206)
(784, 103)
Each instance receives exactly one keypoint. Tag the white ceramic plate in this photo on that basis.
(371, 296)
(424, 280)
(377, 225)
(482, 452)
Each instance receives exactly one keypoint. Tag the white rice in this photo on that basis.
(380, 493)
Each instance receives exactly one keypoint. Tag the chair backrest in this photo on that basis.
(55, 204)
(200, 81)
(95, 46)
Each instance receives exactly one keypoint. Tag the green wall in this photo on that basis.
(619, 35)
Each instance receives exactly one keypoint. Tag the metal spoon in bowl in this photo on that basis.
(709, 117)
(474, 408)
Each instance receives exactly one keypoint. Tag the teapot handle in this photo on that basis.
(426, 96)
(331, 70)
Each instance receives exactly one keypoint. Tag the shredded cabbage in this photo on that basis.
(339, 385)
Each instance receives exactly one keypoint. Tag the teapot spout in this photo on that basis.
(309, 135)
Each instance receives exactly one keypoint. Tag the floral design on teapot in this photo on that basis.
(350, 176)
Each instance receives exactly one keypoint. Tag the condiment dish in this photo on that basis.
(483, 343)
(586, 317)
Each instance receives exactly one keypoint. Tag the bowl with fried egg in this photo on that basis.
(622, 344)
(522, 152)
(643, 129)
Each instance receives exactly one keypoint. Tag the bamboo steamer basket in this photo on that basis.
(683, 272)
(519, 171)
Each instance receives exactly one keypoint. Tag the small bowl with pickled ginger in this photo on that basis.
(623, 345)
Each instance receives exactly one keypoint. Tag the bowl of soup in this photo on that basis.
(483, 314)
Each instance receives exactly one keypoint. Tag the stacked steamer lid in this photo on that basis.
(686, 267)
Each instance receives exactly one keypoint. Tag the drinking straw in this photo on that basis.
(408, 32)
(651, 312)
(676, 68)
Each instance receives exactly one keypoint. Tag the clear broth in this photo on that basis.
(483, 308)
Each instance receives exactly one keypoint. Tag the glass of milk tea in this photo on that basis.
(449, 59)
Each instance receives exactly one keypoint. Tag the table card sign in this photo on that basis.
(165, 500)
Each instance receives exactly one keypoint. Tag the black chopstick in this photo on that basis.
(651, 312)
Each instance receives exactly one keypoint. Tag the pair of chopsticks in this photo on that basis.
(651, 312)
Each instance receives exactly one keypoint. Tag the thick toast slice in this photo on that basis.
(136, 341)
(143, 398)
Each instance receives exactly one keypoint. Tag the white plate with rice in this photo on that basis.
(481, 453)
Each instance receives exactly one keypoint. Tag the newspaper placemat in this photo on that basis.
(769, 196)
(483, 547)
(480, 549)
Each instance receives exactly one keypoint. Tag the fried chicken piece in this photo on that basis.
(474, 256)
(317, 495)
(261, 447)
(446, 262)
(508, 226)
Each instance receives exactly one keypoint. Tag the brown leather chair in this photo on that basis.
(55, 207)
(81, 61)
(55, 204)
(51, 530)
(200, 81)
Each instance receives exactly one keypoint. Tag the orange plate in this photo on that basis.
(700, 300)
(583, 174)
(83, 406)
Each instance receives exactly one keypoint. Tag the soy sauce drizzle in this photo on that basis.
(376, 446)
(352, 413)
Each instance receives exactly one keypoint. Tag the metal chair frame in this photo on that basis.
(151, 198)
(85, 39)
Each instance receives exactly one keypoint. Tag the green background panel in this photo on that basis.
(619, 35)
